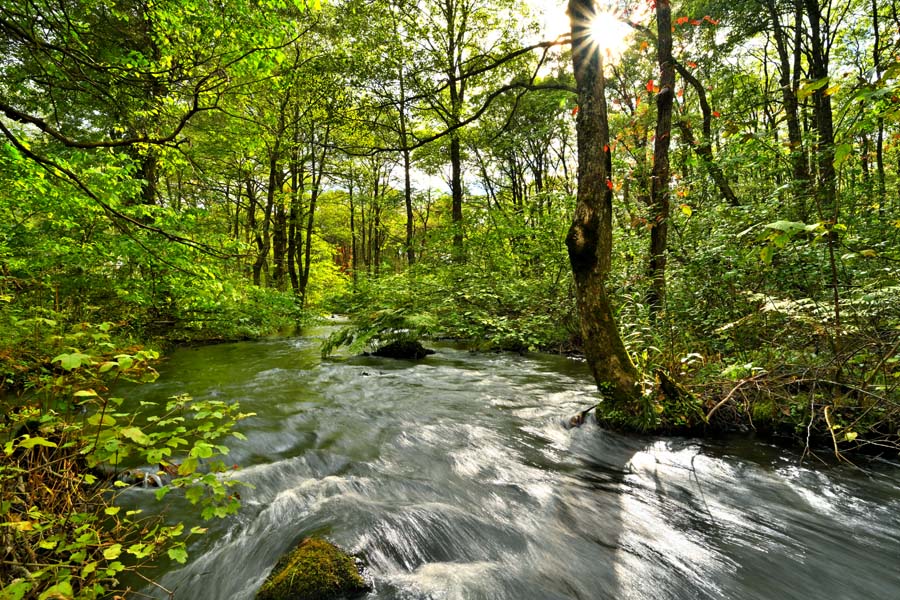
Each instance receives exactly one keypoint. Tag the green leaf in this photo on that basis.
(790, 227)
(125, 362)
(85, 394)
(60, 591)
(161, 492)
(103, 420)
(112, 510)
(88, 569)
(16, 590)
(194, 494)
(72, 361)
(188, 466)
(31, 442)
(201, 450)
(135, 435)
(157, 455)
(141, 550)
(178, 554)
(811, 86)
(112, 552)
(841, 153)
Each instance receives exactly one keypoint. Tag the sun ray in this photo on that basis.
(607, 26)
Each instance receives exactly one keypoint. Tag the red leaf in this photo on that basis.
(650, 86)
(710, 20)
(606, 147)
(680, 93)
(609, 184)
(574, 111)
(695, 22)
(717, 114)
(681, 20)
(692, 64)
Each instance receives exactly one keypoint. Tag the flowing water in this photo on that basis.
(454, 479)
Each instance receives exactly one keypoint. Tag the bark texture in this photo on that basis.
(589, 240)
(659, 177)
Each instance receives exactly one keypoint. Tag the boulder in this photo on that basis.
(403, 349)
(314, 570)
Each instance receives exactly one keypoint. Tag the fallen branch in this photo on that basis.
(724, 400)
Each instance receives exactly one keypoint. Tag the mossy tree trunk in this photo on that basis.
(589, 240)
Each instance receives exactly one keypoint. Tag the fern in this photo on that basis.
(374, 329)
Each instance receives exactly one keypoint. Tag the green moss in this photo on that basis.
(763, 411)
(315, 570)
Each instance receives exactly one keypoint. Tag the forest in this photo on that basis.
(700, 198)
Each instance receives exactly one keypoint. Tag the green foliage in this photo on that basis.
(378, 328)
(64, 439)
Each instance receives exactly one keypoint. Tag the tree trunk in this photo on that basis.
(704, 148)
(879, 135)
(407, 176)
(294, 222)
(589, 240)
(317, 170)
(354, 264)
(827, 202)
(261, 249)
(279, 241)
(457, 196)
(457, 88)
(659, 177)
(786, 81)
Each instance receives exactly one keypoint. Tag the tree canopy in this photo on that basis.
(702, 197)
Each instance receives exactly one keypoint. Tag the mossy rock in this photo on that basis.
(314, 570)
(403, 349)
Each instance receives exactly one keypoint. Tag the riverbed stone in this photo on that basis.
(314, 570)
(403, 349)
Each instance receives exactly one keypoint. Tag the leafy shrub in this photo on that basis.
(64, 534)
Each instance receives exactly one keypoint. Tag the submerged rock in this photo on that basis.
(404, 349)
(314, 570)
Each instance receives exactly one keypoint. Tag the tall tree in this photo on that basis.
(589, 240)
(789, 79)
(659, 177)
(466, 40)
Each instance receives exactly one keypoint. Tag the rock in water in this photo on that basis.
(406, 349)
(314, 570)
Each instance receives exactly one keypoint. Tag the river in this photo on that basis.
(454, 478)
